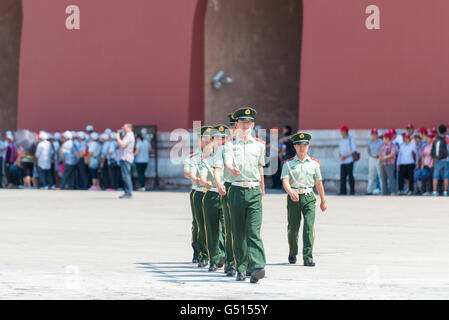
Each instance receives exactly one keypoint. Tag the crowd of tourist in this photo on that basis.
(83, 160)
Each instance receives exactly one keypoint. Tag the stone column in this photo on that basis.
(10, 35)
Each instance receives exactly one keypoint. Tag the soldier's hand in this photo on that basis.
(221, 190)
(294, 196)
(235, 172)
(198, 181)
(208, 185)
(323, 206)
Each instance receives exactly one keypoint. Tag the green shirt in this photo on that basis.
(302, 174)
(195, 163)
(219, 163)
(188, 163)
(246, 156)
(207, 169)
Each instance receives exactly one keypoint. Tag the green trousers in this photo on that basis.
(306, 206)
(199, 217)
(227, 228)
(246, 219)
(195, 244)
(213, 214)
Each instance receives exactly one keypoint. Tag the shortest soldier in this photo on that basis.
(299, 175)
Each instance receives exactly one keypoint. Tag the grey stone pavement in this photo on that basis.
(91, 245)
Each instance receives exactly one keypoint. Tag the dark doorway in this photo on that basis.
(10, 34)
(257, 43)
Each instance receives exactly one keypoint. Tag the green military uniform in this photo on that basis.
(213, 212)
(227, 178)
(195, 163)
(302, 176)
(245, 199)
(195, 243)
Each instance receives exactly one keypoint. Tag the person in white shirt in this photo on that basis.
(347, 151)
(142, 157)
(67, 152)
(406, 163)
(94, 159)
(44, 154)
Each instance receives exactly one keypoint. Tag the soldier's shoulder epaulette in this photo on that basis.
(289, 159)
(193, 155)
(260, 140)
(315, 160)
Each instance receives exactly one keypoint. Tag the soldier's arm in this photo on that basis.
(204, 182)
(288, 189)
(285, 178)
(320, 187)
(229, 161)
(262, 180)
(187, 167)
(193, 175)
(203, 175)
(217, 178)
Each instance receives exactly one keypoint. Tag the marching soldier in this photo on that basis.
(195, 243)
(195, 162)
(223, 181)
(212, 209)
(299, 175)
(245, 158)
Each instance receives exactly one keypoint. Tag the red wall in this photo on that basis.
(130, 62)
(141, 61)
(374, 78)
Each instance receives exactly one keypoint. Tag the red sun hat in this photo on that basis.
(374, 131)
(423, 130)
(410, 126)
(392, 132)
(343, 128)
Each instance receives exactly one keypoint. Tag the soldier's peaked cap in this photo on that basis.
(205, 131)
(301, 138)
(231, 118)
(245, 114)
(220, 130)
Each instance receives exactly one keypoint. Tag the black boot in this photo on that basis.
(257, 275)
(202, 263)
(309, 263)
(292, 259)
(231, 272)
(213, 267)
(221, 262)
(240, 276)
